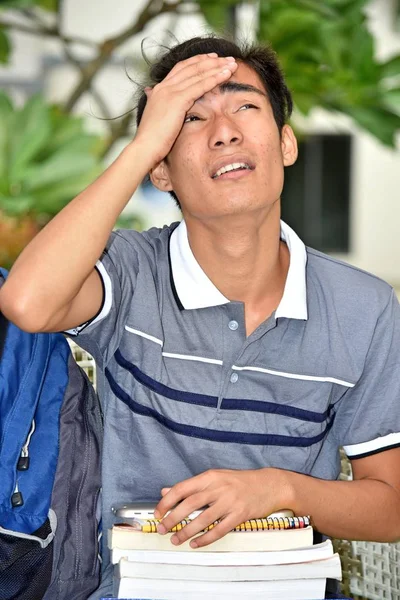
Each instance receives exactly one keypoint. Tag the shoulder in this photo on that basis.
(345, 285)
(149, 243)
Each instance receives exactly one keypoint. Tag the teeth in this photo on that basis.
(231, 167)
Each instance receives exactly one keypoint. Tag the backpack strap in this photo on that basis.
(3, 333)
(3, 321)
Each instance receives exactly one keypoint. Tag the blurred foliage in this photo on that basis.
(327, 54)
(46, 158)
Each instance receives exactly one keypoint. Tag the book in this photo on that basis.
(126, 537)
(328, 567)
(165, 589)
(283, 519)
(283, 557)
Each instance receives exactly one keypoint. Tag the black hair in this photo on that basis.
(261, 58)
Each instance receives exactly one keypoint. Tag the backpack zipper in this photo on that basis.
(22, 465)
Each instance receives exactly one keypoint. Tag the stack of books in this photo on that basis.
(271, 558)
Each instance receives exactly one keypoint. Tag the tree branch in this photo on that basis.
(117, 132)
(95, 93)
(108, 47)
(40, 31)
(31, 14)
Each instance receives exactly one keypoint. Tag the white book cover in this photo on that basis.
(125, 536)
(306, 554)
(163, 589)
(328, 567)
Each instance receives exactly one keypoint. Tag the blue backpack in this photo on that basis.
(50, 449)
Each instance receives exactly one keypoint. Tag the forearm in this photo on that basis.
(366, 509)
(53, 267)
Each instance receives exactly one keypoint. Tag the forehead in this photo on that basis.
(244, 75)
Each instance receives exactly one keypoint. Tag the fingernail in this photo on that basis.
(175, 540)
(212, 54)
(161, 529)
(156, 514)
(193, 544)
(230, 58)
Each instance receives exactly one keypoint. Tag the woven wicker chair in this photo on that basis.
(371, 571)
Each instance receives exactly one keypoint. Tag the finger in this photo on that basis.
(205, 519)
(197, 87)
(176, 494)
(189, 61)
(182, 511)
(222, 528)
(201, 68)
(165, 491)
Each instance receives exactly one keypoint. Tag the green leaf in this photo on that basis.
(322, 8)
(381, 122)
(52, 199)
(215, 15)
(6, 112)
(391, 100)
(305, 102)
(362, 57)
(16, 205)
(5, 47)
(65, 127)
(51, 5)
(17, 3)
(391, 68)
(61, 165)
(31, 131)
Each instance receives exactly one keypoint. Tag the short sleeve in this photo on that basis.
(118, 268)
(367, 420)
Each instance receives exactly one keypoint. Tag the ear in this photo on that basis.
(159, 177)
(289, 146)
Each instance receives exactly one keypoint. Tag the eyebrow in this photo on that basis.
(234, 87)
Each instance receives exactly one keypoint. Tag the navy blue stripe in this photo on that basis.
(212, 401)
(234, 437)
(274, 409)
(163, 390)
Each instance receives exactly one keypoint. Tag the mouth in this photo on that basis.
(233, 170)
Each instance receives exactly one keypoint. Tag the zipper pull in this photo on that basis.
(23, 461)
(16, 498)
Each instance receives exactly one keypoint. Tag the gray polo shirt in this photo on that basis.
(184, 389)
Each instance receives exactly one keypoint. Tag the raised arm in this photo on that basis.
(53, 285)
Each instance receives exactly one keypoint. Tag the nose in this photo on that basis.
(225, 133)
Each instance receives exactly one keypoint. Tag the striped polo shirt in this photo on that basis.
(184, 390)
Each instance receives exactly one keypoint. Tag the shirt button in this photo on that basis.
(233, 325)
(234, 377)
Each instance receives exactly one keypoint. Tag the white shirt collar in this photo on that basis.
(196, 290)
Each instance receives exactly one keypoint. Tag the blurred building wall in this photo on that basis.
(375, 182)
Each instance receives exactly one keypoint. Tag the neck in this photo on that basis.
(245, 259)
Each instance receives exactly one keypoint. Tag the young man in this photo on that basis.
(236, 360)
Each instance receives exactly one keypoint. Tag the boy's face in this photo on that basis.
(228, 127)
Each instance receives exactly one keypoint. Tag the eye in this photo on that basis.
(191, 118)
(248, 105)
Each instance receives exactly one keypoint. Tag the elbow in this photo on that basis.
(18, 311)
(394, 534)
